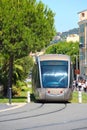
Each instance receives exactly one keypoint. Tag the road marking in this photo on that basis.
(14, 106)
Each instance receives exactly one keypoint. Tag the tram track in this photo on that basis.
(32, 116)
(21, 112)
(58, 124)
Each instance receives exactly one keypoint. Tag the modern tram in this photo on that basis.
(52, 78)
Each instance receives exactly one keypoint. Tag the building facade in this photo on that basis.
(83, 42)
(72, 38)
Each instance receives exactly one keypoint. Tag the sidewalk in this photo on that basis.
(7, 106)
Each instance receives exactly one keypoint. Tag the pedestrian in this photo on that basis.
(79, 85)
(84, 85)
(76, 84)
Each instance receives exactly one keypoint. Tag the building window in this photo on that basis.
(83, 14)
(82, 28)
(81, 41)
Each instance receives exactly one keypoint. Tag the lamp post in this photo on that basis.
(76, 62)
(79, 65)
(77, 72)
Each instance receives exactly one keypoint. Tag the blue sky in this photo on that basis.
(66, 12)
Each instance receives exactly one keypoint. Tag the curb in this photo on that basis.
(13, 106)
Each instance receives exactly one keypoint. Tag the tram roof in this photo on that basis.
(54, 57)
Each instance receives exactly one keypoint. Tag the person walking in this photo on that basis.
(79, 85)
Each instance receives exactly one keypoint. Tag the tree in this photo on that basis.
(69, 48)
(22, 68)
(25, 26)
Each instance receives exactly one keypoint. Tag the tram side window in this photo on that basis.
(71, 75)
(37, 78)
(34, 76)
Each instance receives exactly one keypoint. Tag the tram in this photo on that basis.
(52, 78)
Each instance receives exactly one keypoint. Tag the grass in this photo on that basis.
(75, 98)
(14, 100)
(23, 98)
(18, 99)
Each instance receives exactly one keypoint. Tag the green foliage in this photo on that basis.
(22, 85)
(13, 39)
(21, 68)
(68, 48)
(3, 71)
(19, 88)
(25, 26)
(15, 91)
(24, 88)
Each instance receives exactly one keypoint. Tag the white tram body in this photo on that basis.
(52, 78)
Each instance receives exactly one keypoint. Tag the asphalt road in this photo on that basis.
(48, 116)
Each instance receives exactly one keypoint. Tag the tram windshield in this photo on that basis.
(54, 74)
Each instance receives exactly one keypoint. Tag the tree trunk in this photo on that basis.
(10, 73)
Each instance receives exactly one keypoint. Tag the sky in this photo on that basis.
(66, 12)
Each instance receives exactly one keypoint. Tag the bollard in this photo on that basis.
(10, 95)
(28, 96)
(80, 96)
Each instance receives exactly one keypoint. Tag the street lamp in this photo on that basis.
(77, 70)
(79, 65)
